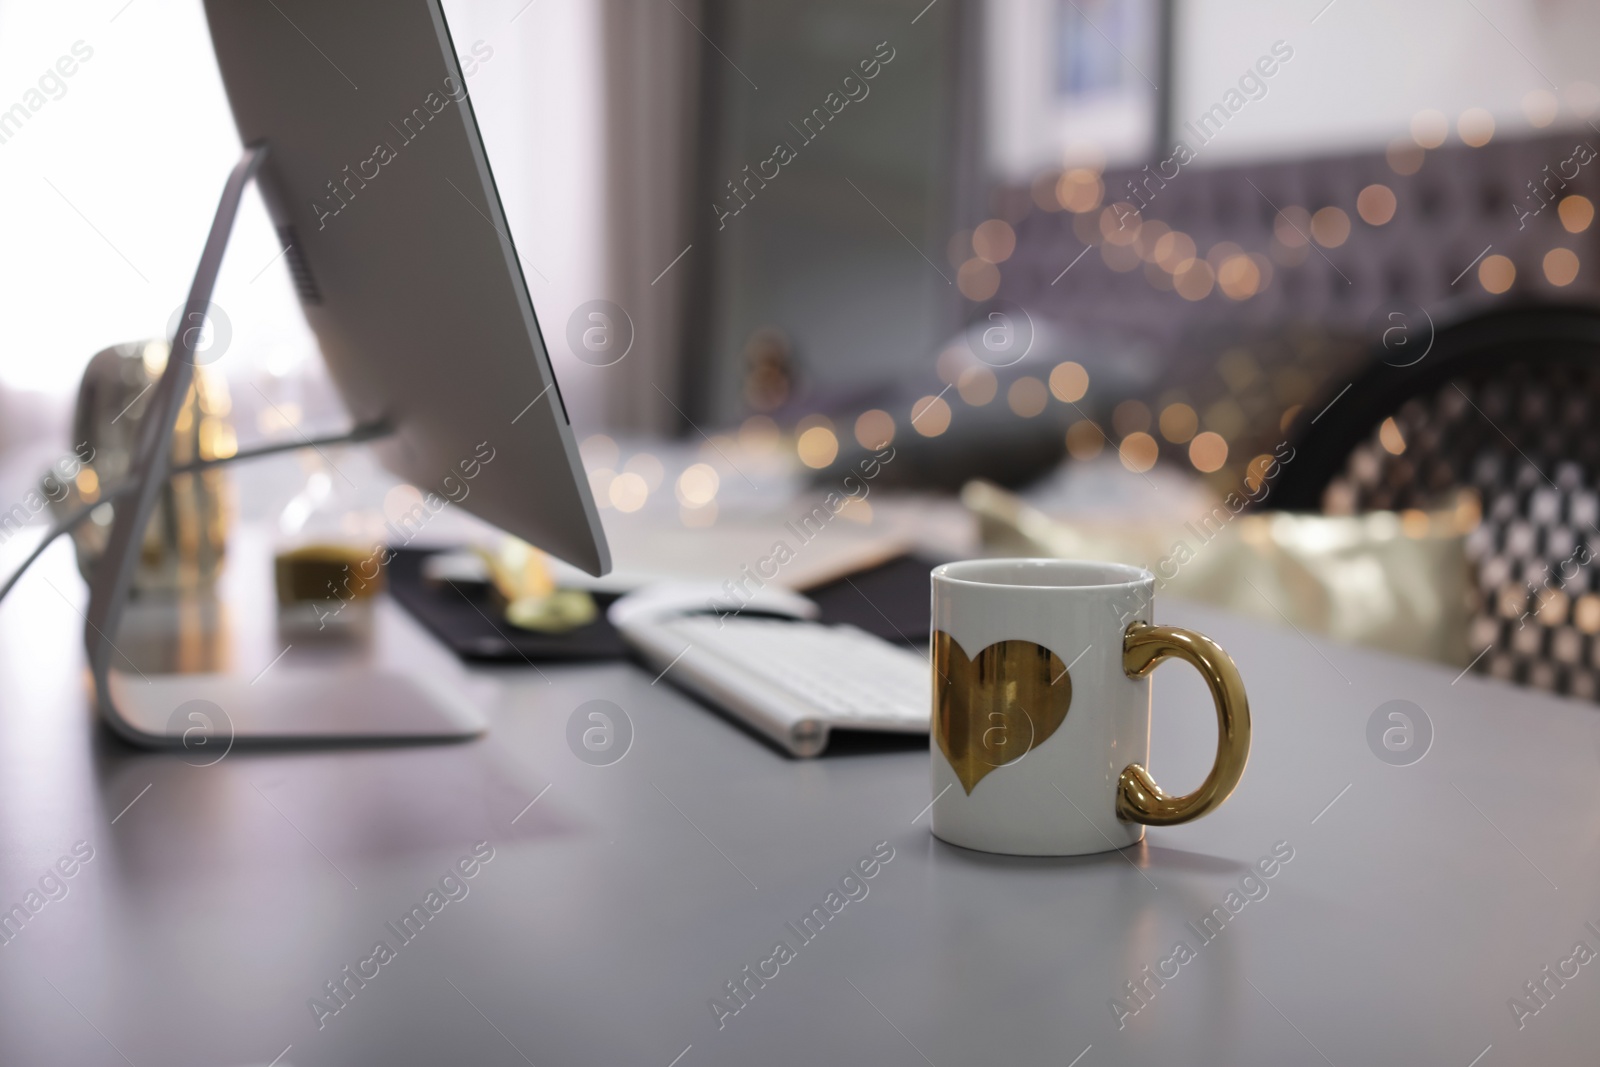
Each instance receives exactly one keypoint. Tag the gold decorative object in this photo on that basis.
(185, 542)
(518, 570)
(556, 613)
(1139, 799)
(996, 707)
(522, 582)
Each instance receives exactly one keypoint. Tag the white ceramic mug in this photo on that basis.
(1041, 707)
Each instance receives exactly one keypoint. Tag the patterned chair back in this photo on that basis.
(1500, 416)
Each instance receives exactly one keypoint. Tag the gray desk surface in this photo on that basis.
(221, 899)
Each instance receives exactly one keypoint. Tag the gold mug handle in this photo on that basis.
(1139, 799)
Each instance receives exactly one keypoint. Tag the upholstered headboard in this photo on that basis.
(1307, 306)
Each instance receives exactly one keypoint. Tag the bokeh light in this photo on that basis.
(1330, 227)
(1221, 252)
(1069, 382)
(1291, 227)
(1195, 281)
(994, 241)
(1084, 440)
(1239, 277)
(1119, 223)
(930, 416)
(1150, 235)
(1080, 190)
(628, 492)
(978, 279)
(1475, 127)
(1429, 128)
(1576, 213)
(1390, 438)
(1560, 266)
(1027, 397)
(697, 486)
(647, 467)
(977, 386)
(1174, 251)
(1208, 452)
(874, 429)
(1255, 472)
(1375, 204)
(598, 450)
(1178, 422)
(817, 447)
(1496, 273)
(1138, 452)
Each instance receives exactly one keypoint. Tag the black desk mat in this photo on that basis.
(890, 600)
(463, 616)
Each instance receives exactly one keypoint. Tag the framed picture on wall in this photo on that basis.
(1073, 77)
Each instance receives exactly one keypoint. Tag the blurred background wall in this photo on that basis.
(608, 125)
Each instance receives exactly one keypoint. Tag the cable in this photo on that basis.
(365, 432)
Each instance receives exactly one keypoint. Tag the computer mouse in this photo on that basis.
(685, 598)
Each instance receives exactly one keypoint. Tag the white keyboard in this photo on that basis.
(791, 679)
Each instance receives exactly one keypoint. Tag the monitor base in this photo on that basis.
(206, 715)
(189, 711)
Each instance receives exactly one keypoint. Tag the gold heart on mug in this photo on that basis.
(997, 707)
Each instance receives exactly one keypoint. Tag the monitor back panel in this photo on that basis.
(377, 181)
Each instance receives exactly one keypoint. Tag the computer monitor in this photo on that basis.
(361, 138)
(378, 184)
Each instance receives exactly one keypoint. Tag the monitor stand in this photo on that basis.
(288, 707)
